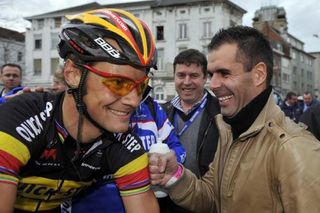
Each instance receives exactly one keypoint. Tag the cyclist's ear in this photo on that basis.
(72, 74)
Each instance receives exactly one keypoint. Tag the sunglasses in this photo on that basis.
(119, 84)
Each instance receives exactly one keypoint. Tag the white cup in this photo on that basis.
(161, 148)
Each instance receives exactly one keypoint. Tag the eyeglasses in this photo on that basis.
(119, 84)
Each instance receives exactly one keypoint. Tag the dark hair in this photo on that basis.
(11, 65)
(253, 47)
(290, 95)
(191, 56)
(307, 93)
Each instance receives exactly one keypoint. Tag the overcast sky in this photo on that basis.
(302, 16)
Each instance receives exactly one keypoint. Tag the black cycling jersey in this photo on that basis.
(36, 154)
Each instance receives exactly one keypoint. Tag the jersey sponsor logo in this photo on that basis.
(32, 127)
(43, 190)
(49, 153)
(90, 166)
(130, 142)
(107, 47)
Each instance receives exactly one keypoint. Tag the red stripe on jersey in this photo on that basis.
(135, 180)
(10, 163)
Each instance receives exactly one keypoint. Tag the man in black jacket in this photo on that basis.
(291, 107)
(311, 118)
(192, 113)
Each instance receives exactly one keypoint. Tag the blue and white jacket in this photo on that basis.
(150, 127)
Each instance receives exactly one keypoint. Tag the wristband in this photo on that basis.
(175, 177)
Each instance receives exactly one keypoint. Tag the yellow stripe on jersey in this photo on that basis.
(31, 190)
(8, 179)
(134, 166)
(14, 147)
(135, 191)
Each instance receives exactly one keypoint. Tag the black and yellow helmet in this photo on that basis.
(85, 37)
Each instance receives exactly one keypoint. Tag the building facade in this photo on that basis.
(317, 73)
(293, 67)
(176, 24)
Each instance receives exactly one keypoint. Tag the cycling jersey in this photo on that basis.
(37, 154)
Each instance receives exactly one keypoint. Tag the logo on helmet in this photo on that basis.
(107, 47)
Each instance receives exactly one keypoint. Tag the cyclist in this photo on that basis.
(53, 146)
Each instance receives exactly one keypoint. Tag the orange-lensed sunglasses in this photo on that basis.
(119, 84)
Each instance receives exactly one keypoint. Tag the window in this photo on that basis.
(38, 44)
(180, 49)
(54, 40)
(160, 59)
(57, 22)
(294, 71)
(40, 24)
(279, 47)
(233, 23)
(295, 85)
(54, 64)
(309, 87)
(302, 58)
(207, 32)
(160, 36)
(159, 94)
(37, 66)
(293, 54)
(285, 77)
(19, 56)
(302, 72)
(309, 75)
(182, 31)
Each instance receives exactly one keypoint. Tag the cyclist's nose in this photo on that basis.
(133, 98)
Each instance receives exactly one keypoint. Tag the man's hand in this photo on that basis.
(24, 90)
(162, 167)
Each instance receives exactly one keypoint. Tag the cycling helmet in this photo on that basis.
(85, 34)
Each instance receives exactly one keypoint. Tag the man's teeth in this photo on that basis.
(119, 112)
(224, 98)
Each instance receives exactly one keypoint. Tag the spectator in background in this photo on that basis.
(11, 75)
(308, 100)
(311, 118)
(59, 84)
(291, 108)
(192, 113)
(277, 98)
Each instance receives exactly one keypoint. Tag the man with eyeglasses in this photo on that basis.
(54, 146)
(265, 162)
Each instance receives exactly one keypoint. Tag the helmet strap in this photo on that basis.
(78, 94)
